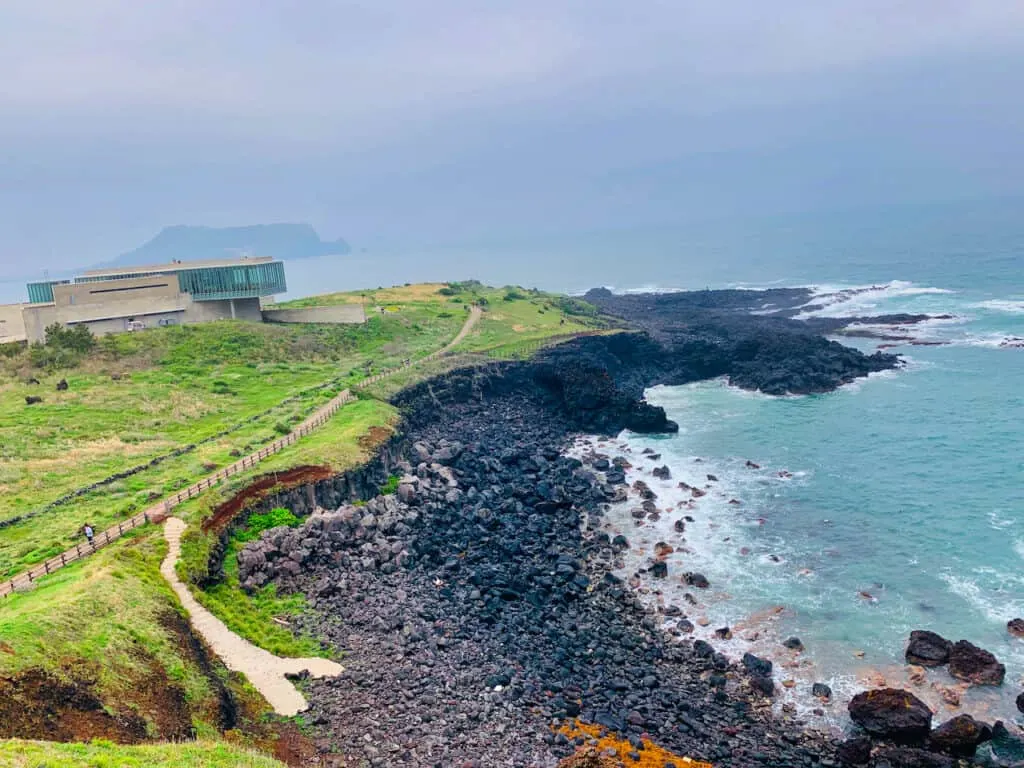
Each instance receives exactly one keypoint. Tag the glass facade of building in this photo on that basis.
(42, 293)
(242, 281)
(233, 281)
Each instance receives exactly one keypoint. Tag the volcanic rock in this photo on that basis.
(975, 665)
(892, 714)
(1015, 627)
(927, 649)
(960, 736)
(821, 691)
(697, 580)
(854, 751)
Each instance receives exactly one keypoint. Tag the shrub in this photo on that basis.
(281, 428)
(12, 349)
(264, 521)
(513, 295)
(391, 485)
(63, 348)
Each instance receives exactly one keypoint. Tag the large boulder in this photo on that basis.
(928, 649)
(975, 665)
(960, 736)
(892, 714)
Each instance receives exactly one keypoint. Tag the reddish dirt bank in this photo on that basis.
(260, 487)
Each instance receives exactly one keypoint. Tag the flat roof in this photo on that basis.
(178, 266)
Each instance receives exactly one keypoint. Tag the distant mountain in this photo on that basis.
(187, 243)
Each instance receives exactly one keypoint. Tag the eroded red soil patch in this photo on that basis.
(260, 487)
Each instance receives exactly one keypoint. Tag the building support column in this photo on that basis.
(232, 308)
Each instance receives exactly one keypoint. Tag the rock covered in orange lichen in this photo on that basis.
(598, 756)
(588, 757)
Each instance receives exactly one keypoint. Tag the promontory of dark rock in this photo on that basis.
(960, 736)
(890, 713)
(1020, 702)
(705, 334)
(1015, 627)
(975, 665)
(927, 649)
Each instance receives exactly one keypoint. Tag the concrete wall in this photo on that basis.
(208, 311)
(118, 298)
(12, 323)
(36, 318)
(342, 313)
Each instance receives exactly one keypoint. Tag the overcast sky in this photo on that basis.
(434, 120)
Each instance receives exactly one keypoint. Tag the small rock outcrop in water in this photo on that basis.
(892, 714)
(975, 665)
(1015, 627)
(927, 649)
(960, 736)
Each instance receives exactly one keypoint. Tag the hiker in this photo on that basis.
(88, 533)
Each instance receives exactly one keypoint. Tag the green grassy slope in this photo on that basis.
(16, 753)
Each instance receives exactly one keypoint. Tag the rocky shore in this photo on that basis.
(477, 613)
(477, 608)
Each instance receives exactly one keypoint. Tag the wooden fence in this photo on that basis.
(159, 511)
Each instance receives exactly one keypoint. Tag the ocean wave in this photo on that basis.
(1009, 306)
(994, 605)
(850, 301)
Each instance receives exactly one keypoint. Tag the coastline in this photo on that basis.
(443, 578)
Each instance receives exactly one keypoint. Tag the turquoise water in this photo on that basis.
(907, 487)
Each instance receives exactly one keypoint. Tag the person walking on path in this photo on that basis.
(89, 533)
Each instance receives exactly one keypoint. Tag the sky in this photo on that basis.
(410, 121)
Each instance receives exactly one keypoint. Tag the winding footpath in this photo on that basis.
(264, 670)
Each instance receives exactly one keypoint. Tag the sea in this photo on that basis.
(895, 503)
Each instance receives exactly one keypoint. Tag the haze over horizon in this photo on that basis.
(462, 120)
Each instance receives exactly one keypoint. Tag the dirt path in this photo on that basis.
(475, 313)
(265, 671)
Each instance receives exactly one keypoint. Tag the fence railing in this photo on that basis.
(161, 510)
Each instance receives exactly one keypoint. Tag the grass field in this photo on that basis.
(106, 617)
(16, 753)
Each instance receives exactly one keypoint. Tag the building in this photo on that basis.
(132, 298)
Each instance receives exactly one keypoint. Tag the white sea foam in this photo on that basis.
(849, 301)
(999, 523)
(1009, 306)
(994, 605)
